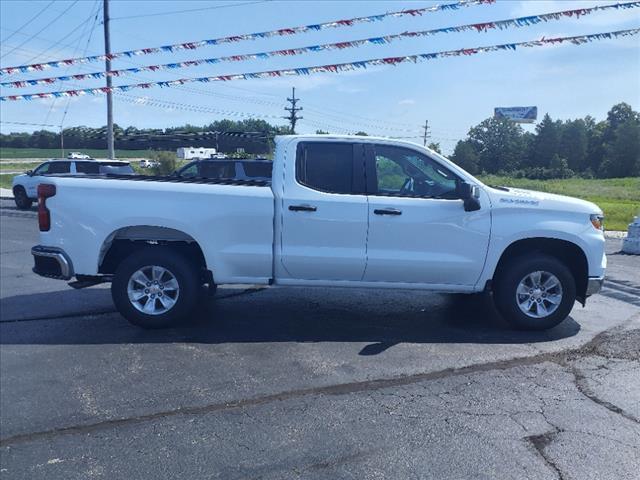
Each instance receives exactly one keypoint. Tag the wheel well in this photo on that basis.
(566, 252)
(123, 242)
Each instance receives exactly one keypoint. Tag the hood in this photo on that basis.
(17, 177)
(516, 197)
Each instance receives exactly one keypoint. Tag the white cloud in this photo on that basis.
(407, 101)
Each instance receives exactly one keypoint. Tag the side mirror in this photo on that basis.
(470, 194)
(29, 172)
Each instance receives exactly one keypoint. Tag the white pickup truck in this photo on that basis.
(340, 211)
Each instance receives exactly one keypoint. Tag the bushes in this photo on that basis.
(167, 163)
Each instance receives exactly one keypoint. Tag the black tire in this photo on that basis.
(23, 202)
(510, 277)
(185, 273)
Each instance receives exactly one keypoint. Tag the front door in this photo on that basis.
(324, 213)
(419, 231)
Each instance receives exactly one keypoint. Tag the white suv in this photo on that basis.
(25, 186)
(78, 156)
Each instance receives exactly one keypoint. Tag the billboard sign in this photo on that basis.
(517, 114)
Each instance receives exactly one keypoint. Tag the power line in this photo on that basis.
(42, 29)
(28, 22)
(176, 12)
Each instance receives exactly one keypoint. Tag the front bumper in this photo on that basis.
(52, 262)
(594, 285)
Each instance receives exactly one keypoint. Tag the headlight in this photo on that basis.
(597, 221)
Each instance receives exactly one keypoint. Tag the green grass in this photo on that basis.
(5, 181)
(45, 153)
(18, 167)
(619, 198)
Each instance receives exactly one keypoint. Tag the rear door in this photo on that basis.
(324, 213)
(419, 231)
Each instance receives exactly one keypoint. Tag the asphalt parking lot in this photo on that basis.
(312, 383)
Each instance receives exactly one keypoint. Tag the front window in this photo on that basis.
(59, 167)
(405, 172)
(42, 169)
(189, 171)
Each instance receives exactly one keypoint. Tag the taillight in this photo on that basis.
(45, 190)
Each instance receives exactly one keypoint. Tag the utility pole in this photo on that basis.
(107, 66)
(292, 117)
(426, 132)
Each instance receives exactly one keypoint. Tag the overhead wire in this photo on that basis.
(191, 10)
(28, 22)
(43, 28)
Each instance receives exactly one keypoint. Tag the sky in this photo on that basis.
(453, 94)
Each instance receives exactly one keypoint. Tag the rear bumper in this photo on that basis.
(52, 262)
(594, 285)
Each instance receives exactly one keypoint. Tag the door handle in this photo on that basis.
(387, 211)
(302, 208)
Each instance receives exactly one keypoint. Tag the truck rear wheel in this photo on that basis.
(155, 287)
(535, 292)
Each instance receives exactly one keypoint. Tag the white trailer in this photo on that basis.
(189, 153)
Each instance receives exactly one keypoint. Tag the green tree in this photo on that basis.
(435, 147)
(321, 132)
(622, 155)
(166, 163)
(499, 144)
(466, 157)
(619, 114)
(574, 143)
(546, 142)
(361, 134)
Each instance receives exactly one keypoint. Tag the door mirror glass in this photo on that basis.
(470, 194)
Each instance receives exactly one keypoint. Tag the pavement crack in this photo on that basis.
(540, 444)
(580, 381)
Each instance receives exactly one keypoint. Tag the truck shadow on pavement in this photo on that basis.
(382, 319)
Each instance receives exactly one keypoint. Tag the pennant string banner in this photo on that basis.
(242, 37)
(478, 27)
(336, 68)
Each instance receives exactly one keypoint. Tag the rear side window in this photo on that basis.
(116, 168)
(87, 167)
(59, 167)
(217, 170)
(325, 166)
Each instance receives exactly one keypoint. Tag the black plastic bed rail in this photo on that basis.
(168, 178)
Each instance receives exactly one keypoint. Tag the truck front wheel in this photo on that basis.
(155, 287)
(535, 292)
(23, 202)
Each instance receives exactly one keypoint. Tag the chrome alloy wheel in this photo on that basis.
(539, 294)
(153, 290)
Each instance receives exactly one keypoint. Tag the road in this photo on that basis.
(312, 383)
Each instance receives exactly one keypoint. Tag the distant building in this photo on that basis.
(188, 153)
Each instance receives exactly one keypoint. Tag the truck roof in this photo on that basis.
(98, 160)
